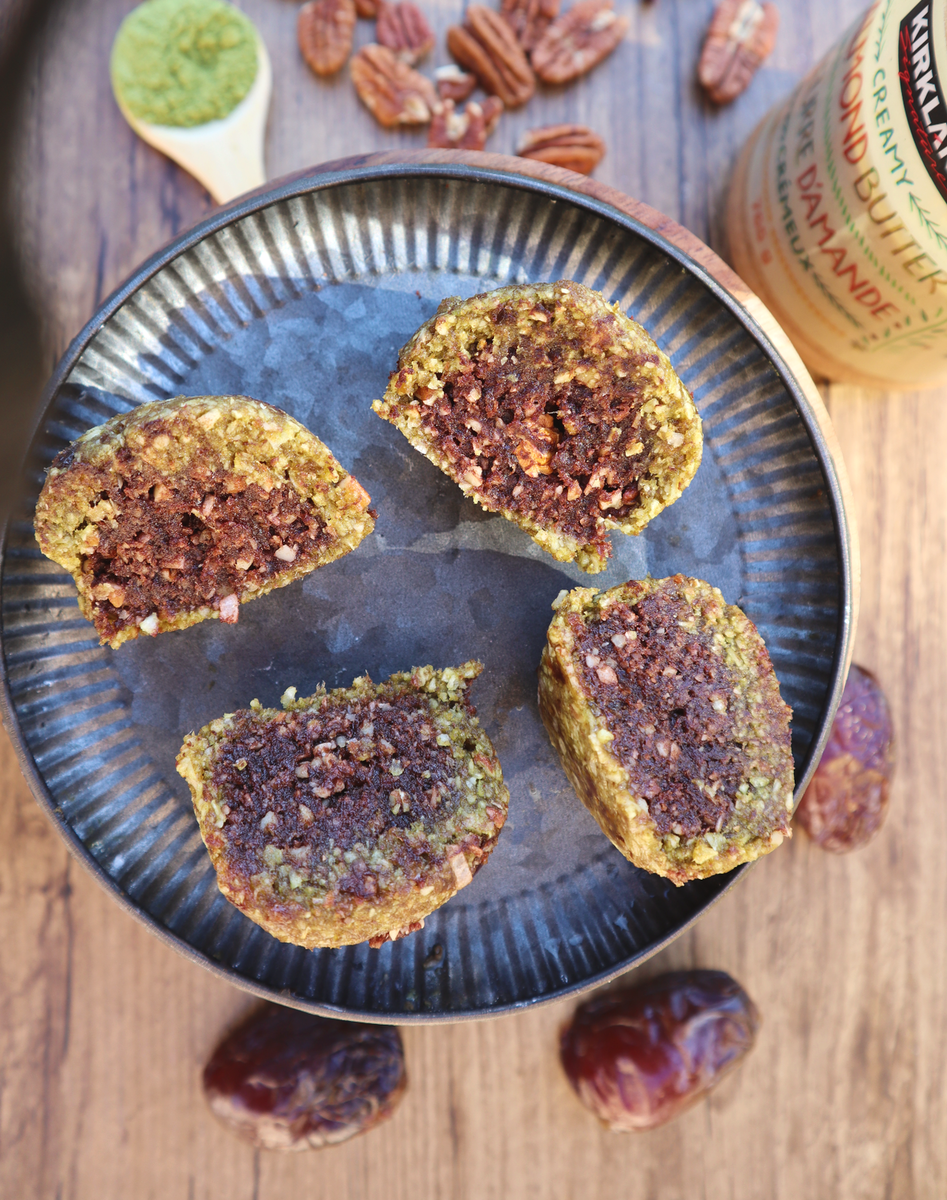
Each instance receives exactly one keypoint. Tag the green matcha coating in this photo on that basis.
(183, 62)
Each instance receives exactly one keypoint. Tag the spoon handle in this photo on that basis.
(226, 156)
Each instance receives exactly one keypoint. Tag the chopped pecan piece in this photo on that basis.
(394, 92)
(467, 130)
(742, 34)
(403, 28)
(325, 29)
(486, 45)
(454, 84)
(578, 41)
(575, 147)
(529, 19)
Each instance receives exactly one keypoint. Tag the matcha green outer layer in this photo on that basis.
(183, 62)
(387, 881)
(582, 734)
(224, 436)
(548, 343)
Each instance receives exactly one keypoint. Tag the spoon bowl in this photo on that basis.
(226, 156)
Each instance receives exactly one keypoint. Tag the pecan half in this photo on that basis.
(742, 34)
(453, 83)
(467, 130)
(404, 29)
(324, 30)
(368, 9)
(529, 19)
(578, 40)
(574, 147)
(486, 45)
(394, 92)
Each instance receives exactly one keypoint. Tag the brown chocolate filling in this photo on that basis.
(656, 693)
(358, 770)
(563, 454)
(181, 543)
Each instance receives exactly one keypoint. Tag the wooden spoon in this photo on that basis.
(226, 156)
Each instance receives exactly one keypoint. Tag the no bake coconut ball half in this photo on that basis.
(184, 509)
(663, 705)
(351, 815)
(548, 405)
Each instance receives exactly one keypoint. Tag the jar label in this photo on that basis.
(923, 96)
(842, 199)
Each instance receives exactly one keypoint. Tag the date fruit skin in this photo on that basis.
(639, 1057)
(845, 804)
(286, 1080)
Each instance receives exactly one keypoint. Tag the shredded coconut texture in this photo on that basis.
(663, 705)
(548, 405)
(350, 815)
(185, 509)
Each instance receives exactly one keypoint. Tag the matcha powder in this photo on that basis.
(183, 62)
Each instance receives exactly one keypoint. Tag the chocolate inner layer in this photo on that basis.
(336, 779)
(181, 543)
(666, 696)
(564, 453)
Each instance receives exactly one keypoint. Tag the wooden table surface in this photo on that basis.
(103, 1030)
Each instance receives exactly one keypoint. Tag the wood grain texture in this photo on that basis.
(103, 1030)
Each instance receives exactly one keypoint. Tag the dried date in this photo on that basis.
(639, 1057)
(325, 29)
(529, 19)
(741, 36)
(467, 130)
(394, 92)
(485, 44)
(403, 28)
(574, 147)
(286, 1080)
(846, 802)
(578, 40)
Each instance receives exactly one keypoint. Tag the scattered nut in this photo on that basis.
(454, 84)
(529, 19)
(574, 147)
(325, 29)
(486, 45)
(229, 610)
(742, 34)
(400, 801)
(368, 9)
(403, 28)
(395, 93)
(459, 865)
(467, 130)
(578, 41)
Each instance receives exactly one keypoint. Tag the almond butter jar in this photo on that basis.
(837, 214)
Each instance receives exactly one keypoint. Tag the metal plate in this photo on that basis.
(302, 297)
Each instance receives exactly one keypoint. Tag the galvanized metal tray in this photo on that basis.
(301, 296)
